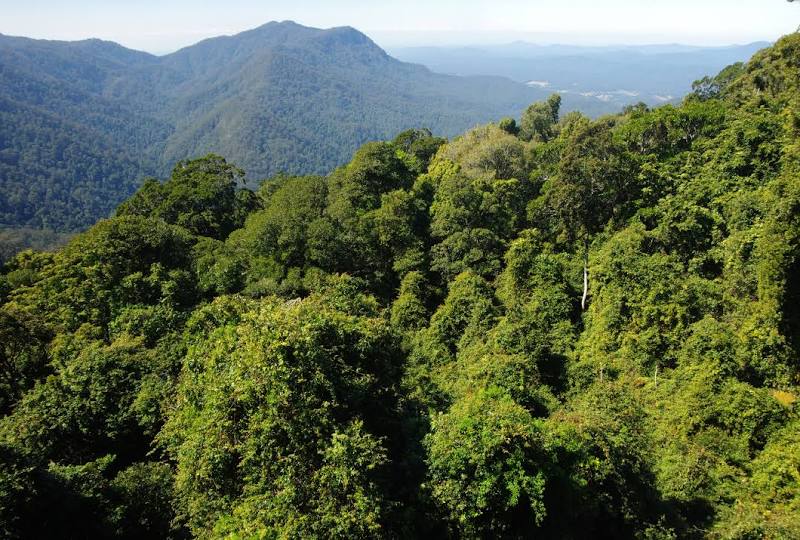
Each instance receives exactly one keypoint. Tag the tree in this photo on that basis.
(487, 151)
(303, 410)
(713, 87)
(509, 125)
(23, 356)
(592, 183)
(539, 120)
(418, 146)
(486, 459)
(274, 241)
(201, 195)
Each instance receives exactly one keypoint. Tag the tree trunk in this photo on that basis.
(585, 275)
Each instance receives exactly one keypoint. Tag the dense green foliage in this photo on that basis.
(406, 348)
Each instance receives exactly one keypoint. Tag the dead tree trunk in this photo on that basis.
(585, 274)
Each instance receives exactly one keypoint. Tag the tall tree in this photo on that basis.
(592, 182)
(539, 120)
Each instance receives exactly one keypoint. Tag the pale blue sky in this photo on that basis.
(164, 25)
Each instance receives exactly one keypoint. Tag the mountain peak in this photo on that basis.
(284, 23)
(347, 36)
(342, 45)
(277, 26)
(290, 30)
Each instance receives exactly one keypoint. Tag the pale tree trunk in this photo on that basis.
(585, 274)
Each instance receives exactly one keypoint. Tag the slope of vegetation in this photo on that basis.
(556, 327)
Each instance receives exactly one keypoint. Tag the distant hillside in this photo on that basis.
(68, 150)
(613, 75)
(81, 123)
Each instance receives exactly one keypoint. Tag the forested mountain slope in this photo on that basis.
(285, 98)
(68, 153)
(555, 327)
(82, 123)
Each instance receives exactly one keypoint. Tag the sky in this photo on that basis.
(161, 26)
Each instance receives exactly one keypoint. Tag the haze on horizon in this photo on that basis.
(164, 26)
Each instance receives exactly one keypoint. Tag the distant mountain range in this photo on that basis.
(82, 123)
(615, 75)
